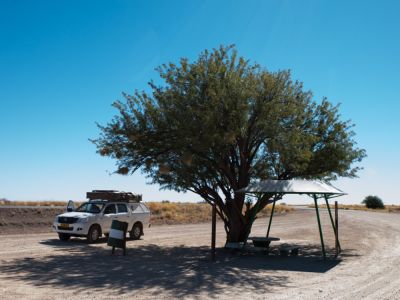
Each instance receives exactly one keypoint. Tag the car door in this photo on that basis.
(123, 214)
(140, 213)
(133, 215)
(146, 214)
(109, 214)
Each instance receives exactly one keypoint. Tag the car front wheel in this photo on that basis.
(94, 234)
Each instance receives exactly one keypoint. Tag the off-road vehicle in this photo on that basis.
(93, 218)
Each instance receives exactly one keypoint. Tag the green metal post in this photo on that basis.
(330, 216)
(213, 230)
(270, 218)
(337, 230)
(319, 226)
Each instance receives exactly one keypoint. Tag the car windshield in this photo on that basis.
(88, 207)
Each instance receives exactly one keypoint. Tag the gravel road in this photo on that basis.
(173, 262)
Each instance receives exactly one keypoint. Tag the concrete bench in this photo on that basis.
(286, 250)
(245, 247)
(262, 242)
(234, 245)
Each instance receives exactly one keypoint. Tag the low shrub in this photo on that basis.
(373, 202)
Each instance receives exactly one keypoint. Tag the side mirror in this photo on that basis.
(69, 209)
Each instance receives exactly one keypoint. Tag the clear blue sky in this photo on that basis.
(62, 64)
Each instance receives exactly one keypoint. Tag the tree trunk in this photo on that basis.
(238, 227)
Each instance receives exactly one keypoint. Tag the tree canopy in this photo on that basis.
(221, 122)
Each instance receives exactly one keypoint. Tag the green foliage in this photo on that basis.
(373, 202)
(219, 123)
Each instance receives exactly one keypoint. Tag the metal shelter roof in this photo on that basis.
(294, 186)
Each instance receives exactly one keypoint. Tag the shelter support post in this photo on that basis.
(319, 226)
(213, 231)
(332, 222)
(337, 245)
(270, 218)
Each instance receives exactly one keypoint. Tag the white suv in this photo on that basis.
(93, 218)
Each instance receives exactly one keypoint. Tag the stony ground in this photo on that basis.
(14, 220)
(173, 262)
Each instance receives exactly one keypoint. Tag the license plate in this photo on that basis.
(64, 226)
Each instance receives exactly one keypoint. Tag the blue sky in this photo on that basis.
(62, 64)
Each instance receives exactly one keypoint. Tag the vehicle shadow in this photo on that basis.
(180, 270)
(74, 241)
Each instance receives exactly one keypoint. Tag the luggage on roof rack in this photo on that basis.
(112, 195)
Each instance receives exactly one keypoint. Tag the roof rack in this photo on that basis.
(112, 195)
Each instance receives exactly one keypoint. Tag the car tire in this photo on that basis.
(94, 234)
(64, 237)
(136, 231)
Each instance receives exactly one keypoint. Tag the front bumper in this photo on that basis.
(72, 229)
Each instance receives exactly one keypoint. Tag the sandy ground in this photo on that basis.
(173, 262)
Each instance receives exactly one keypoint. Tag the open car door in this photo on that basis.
(70, 206)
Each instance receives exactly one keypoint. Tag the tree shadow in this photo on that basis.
(180, 270)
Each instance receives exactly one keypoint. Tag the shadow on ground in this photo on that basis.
(179, 270)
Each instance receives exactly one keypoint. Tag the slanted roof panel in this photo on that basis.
(295, 186)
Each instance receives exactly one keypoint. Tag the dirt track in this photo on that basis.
(173, 261)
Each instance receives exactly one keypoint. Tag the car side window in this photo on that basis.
(110, 209)
(122, 208)
(134, 206)
(138, 210)
(94, 209)
(144, 208)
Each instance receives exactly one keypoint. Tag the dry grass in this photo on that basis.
(388, 208)
(179, 213)
(279, 209)
(184, 213)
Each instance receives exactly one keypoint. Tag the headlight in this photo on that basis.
(56, 220)
(83, 220)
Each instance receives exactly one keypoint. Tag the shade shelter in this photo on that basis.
(313, 188)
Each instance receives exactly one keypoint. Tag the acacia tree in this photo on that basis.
(221, 122)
